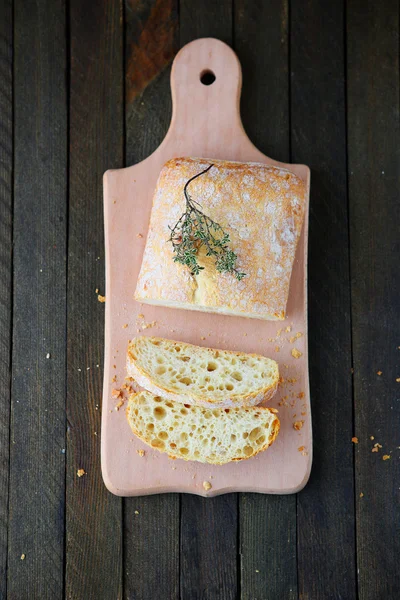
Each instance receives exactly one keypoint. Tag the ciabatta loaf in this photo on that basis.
(203, 376)
(260, 207)
(214, 436)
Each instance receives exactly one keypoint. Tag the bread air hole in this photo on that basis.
(169, 404)
(216, 412)
(211, 366)
(229, 387)
(261, 440)
(183, 436)
(245, 435)
(157, 399)
(248, 450)
(160, 413)
(186, 380)
(150, 426)
(160, 360)
(184, 358)
(172, 445)
(210, 388)
(177, 348)
(184, 451)
(158, 444)
(163, 435)
(233, 437)
(184, 411)
(160, 370)
(237, 376)
(227, 410)
(254, 433)
(207, 414)
(155, 342)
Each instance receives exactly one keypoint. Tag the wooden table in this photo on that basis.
(84, 86)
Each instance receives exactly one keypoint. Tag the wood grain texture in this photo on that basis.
(374, 190)
(37, 467)
(325, 525)
(151, 43)
(93, 516)
(151, 538)
(267, 523)
(209, 548)
(6, 174)
(209, 535)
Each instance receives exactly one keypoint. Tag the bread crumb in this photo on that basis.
(361, 495)
(386, 457)
(116, 393)
(288, 329)
(118, 406)
(137, 512)
(140, 452)
(296, 353)
(114, 366)
(149, 325)
(277, 348)
(202, 337)
(101, 298)
(297, 425)
(292, 379)
(374, 449)
(303, 414)
(274, 410)
(398, 379)
(300, 395)
(354, 440)
(377, 445)
(300, 448)
(22, 556)
(81, 472)
(114, 379)
(257, 571)
(140, 316)
(125, 326)
(97, 290)
(48, 355)
(371, 437)
(207, 485)
(379, 373)
(114, 202)
(139, 235)
(278, 333)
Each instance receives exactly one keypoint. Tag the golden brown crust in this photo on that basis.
(261, 207)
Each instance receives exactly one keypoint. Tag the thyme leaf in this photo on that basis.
(195, 229)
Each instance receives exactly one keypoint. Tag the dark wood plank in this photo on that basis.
(94, 516)
(326, 544)
(205, 18)
(209, 547)
(208, 527)
(374, 192)
(151, 537)
(267, 523)
(37, 466)
(6, 173)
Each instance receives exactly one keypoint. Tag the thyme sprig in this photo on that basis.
(195, 229)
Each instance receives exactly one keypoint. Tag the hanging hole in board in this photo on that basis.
(207, 77)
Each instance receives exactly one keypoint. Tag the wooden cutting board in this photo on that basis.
(205, 123)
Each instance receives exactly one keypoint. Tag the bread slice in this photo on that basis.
(216, 436)
(195, 375)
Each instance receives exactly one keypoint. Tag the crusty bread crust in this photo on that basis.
(262, 209)
(144, 435)
(206, 398)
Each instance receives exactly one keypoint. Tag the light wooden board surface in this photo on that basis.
(205, 123)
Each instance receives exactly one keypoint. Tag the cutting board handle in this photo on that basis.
(206, 81)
